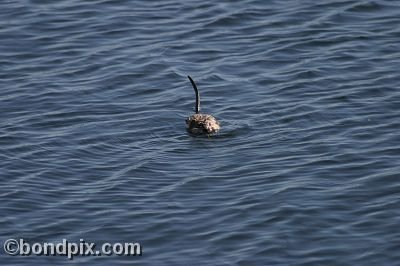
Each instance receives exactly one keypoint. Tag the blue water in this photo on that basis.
(93, 146)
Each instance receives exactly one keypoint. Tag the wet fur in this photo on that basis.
(202, 124)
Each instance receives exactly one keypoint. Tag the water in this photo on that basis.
(93, 144)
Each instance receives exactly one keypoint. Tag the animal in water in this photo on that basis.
(201, 123)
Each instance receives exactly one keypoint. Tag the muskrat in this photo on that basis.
(201, 123)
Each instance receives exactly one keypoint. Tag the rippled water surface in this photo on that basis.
(93, 146)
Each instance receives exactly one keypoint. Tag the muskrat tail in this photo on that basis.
(197, 107)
